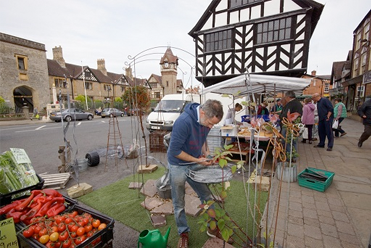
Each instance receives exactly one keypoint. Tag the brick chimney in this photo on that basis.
(58, 56)
(101, 63)
(313, 73)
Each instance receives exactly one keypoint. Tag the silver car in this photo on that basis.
(71, 114)
(111, 112)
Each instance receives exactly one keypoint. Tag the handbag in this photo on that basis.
(305, 133)
(335, 124)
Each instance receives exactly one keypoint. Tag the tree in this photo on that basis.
(138, 98)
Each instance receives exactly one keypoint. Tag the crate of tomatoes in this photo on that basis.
(74, 228)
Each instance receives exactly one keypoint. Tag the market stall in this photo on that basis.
(248, 86)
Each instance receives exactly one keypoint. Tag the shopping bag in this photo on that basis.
(305, 133)
(335, 125)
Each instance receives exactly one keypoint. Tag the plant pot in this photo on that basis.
(289, 174)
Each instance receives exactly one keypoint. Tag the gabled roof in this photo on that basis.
(337, 68)
(75, 71)
(315, 8)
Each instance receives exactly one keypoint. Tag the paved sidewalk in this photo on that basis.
(338, 217)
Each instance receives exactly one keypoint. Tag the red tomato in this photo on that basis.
(67, 220)
(63, 236)
(80, 231)
(36, 236)
(73, 234)
(88, 228)
(96, 223)
(89, 234)
(74, 213)
(43, 232)
(28, 232)
(80, 239)
(85, 221)
(37, 229)
(61, 227)
(53, 229)
(66, 243)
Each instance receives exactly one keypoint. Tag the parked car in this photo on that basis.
(71, 114)
(111, 112)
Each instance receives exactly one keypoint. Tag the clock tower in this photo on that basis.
(169, 64)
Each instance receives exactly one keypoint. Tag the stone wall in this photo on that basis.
(34, 78)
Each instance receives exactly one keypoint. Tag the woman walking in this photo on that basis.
(308, 118)
(340, 112)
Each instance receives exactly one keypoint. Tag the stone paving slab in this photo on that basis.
(340, 216)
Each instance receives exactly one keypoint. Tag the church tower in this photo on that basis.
(169, 72)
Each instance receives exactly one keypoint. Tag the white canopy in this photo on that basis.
(257, 83)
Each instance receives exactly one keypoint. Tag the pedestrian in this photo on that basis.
(188, 151)
(365, 112)
(315, 126)
(340, 112)
(294, 106)
(325, 118)
(277, 108)
(262, 109)
(230, 117)
(308, 118)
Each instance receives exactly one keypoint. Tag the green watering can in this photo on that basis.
(153, 239)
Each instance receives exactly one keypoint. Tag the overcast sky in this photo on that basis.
(116, 29)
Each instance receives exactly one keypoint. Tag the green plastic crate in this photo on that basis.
(314, 184)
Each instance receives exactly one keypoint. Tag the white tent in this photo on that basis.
(257, 83)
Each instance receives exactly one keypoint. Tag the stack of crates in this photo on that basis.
(156, 141)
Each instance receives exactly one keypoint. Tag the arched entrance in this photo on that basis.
(23, 97)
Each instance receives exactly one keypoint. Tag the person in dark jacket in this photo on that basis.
(188, 151)
(325, 119)
(294, 106)
(365, 112)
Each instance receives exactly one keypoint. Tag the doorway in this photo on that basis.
(23, 97)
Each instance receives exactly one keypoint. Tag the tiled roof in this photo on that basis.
(170, 57)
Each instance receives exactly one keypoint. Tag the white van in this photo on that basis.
(168, 110)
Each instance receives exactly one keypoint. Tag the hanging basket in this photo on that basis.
(289, 174)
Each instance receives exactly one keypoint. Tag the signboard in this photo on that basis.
(20, 156)
(8, 237)
(367, 77)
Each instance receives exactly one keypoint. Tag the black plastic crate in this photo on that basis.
(106, 234)
(8, 198)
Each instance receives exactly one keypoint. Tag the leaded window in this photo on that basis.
(275, 30)
(236, 3)
(217, 41)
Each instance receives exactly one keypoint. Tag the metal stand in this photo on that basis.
(113, 131)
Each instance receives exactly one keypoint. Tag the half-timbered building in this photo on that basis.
(261, 36)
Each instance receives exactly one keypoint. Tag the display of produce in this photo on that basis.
(46, 202)
(16, 172)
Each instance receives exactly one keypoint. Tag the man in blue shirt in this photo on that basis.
(188, 151)
(325, 118)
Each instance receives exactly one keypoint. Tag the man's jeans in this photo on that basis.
(288, 144)
(177, 181)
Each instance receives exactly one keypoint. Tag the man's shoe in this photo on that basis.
(343, 134)
(360, 144)
(183, 241)
(318, 146)
(216, 234)
(304, 141)
(314, 139)
(329, 149)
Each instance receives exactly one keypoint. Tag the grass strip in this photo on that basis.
(123, 204)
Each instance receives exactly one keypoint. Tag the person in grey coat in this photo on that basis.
(365, 112)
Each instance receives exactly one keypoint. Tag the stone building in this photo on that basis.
(23, 73)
